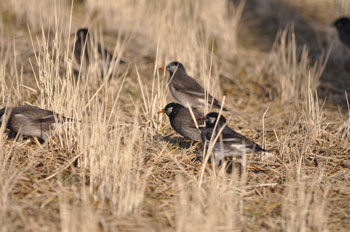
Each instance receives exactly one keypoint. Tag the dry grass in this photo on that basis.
(121, 167)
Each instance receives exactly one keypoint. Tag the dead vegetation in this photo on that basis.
(123, 168)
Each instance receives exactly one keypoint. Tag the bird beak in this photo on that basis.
(162, 68)
(202, 118)
(161, 112)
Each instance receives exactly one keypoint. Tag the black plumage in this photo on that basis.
(343, 27)
(84, 48)
(182, 121)
(229, 142)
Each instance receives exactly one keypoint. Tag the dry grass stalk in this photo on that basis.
(121, 167)
(290, 70)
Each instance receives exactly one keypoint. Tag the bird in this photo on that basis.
(342, 25)
(229, 142)
(186, 90)
(182, 122)
(83, 49)
(80, 48)
(31, 120)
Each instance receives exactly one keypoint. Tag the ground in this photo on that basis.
(278, 67)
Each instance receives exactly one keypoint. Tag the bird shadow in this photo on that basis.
(229, 165)
(15, 136)
(178, 141)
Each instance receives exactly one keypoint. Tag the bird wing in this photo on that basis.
(236, 140)
(198, 116)
(190, 86)
(38, 114)
(189, 123)
(49, 118)
(184, 117)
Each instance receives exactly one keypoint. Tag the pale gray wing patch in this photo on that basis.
(22, 117)
(48, 117)
(25, 126)
(218, 156)
(242, 148)
(195, 93)
(231, 139)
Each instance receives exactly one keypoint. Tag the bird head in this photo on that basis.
(342, 23)
(171, 108)
(173, 66)
(82, 33)
(211, 119)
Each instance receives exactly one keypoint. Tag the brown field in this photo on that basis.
(277, 65)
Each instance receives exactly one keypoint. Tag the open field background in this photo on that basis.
(283, 73)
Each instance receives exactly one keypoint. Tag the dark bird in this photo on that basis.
(31, 120)
(81, 53)
(84, 47)
(229, 142)
(186, 90)
(343, 27)
(182, 121)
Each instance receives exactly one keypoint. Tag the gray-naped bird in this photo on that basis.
(83, 49)
(182, 121)
(31, 120)
(186, 90)
(343, 27)
(229, 142)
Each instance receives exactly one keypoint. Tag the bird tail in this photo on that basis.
(258, 148)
